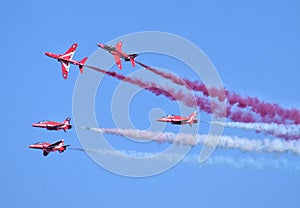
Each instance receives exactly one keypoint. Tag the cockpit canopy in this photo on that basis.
(43, 121)
(43, 143)
(110, 47)
(39, 143)
(168, 116)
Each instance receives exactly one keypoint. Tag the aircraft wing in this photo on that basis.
(65, 66)
(118, 61)
(54, 124)
(54, 127)
(54, 144)
(179, 119)
(119, 46)
(70, 52)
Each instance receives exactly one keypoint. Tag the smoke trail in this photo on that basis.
(226, 142)
(242, 163)
(269, 113)
(253, 163)
(286, 131)
(193, 101)
(122, 77)
(173, 78)
(188, 99)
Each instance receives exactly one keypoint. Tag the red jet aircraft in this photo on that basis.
(53, 125)
(118, 53)
(47, 147)
(66, 59)
(179, 120)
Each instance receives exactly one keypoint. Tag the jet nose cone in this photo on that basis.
(160, 119)
(30, 146)
(48, 54)
(100, 45)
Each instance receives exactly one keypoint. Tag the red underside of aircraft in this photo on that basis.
(53, 125)
(118, 53)
(47, 147)
(66, 59)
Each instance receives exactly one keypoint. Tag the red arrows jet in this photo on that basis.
(118, 53)
(179, 120)
(47, 147)
(53, 125)
(66, 59)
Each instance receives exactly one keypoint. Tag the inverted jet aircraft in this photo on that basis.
(118, 53)
(54, 125)
(47, 147)
(66, 59)
(179, 120)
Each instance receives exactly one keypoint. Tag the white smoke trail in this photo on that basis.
(287, 131)
(227, 142)
(254, 163)
(227, 161)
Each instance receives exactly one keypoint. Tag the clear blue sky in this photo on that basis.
(254, 46)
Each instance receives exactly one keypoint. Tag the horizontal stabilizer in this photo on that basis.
(81, 64)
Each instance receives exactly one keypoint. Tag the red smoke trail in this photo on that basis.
(189, 100)
(173, 78)
(268, 112)
(150, 86)
(234, 115)
(204, 104)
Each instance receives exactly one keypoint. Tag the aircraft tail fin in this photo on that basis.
(81, 64)
(131, 57)
(67, 121)
(192, 119)
(67, 124)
